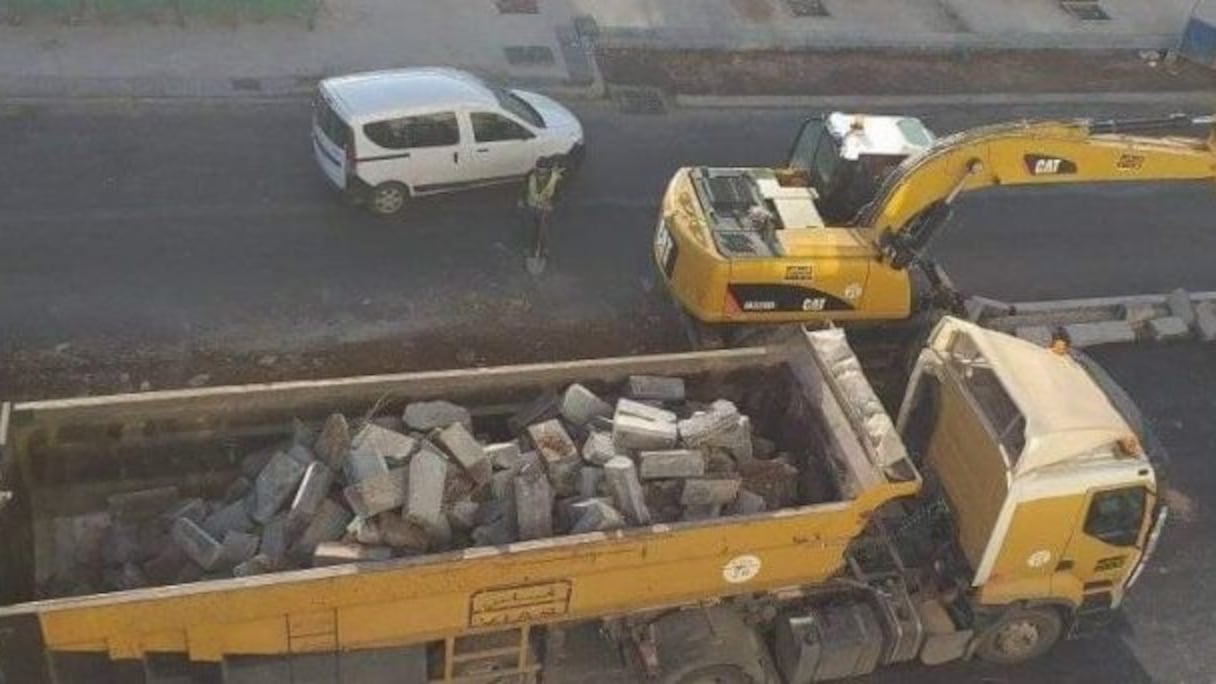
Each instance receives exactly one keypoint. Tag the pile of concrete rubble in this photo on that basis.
(423, 483)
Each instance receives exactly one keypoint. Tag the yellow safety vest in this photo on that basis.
(541, 196)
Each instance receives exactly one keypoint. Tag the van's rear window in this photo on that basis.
(329, 122)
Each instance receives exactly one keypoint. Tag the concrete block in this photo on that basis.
(194, 509)
(393, 423)
(238, 489)
(456, 440)
(462, 515)
(746, 503)
(1205, 321)
(504, 455)
(425, 416)
(314, 487)
(257, 565)
(276, 539)
(277, 481)
(1039, 335)
(590, 481)
(596, 516)
(552, 442)
(671, 463)
(711, 428)
(1140, 312)
(231, 518)
(626, 490)
(1082, 335)
(579, 405)
(533, 504)
(254, 462)
(365, 531)
(738, 439)
(656, 387)
(424, 487)
(633, 432)
(502, 484)
(601, 424)
(238, 547)
(719, 460)
(1168, 328)
(637, 409)
(375, 449)
(697, 512)
(339, 553)
(700, 492)
(401, 533)
(439, 535)
(1180, 305)
(142, 504)
(378, 494)
(599, 448)
(328, 524)
(199, 546)
(332, 445)
(544, 407)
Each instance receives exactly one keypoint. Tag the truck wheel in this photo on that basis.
(710, 646)
(1021, 634)
(717, 674)
(388, 199)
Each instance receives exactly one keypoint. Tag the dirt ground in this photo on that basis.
(869, 72)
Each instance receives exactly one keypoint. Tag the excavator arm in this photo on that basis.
(915, 200)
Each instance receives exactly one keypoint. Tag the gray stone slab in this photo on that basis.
(276, 539)
(365, 531)
(425, 416)
(1180, 305)
(1036, 334)
(746, 503)
(699, 492)
(238, 547)
(400, 533)
(332, 445)
(504, 455)
(637, 409)
(201, 547)
(378, 494)
(339, 553)
(277, 482)
(328, 524)
(590, 481)
(194, 509)
(596, 516)
(672, 463)
(626, 489)
(552, 442)
(580, 405)
(1103, 332)
(711, 428)
(314, 487)
(231, 518)
(533, 504)
(599, 448)
(238, 489)
(656, 387)
(633, 432)
(1205, 321)
(424, 487)
(462, 515)
(468, 453)
(1168, 328)
(376, 449)
(1141, 312)
(544, 407)
(259, 564)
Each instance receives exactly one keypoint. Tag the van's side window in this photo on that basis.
(429, 130)
(490, 127)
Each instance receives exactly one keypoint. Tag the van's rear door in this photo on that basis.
(330, 138)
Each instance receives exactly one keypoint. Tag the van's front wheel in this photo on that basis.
(388, 198)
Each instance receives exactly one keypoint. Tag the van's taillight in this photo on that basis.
(350, 159)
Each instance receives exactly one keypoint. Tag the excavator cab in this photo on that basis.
(845, 157)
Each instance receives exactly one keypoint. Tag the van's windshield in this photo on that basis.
(517, 106)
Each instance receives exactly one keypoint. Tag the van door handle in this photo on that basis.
(455, 157)
(483, 149)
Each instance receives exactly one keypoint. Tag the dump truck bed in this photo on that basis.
(65, 457)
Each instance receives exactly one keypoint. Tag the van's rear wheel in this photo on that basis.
(388, 198)
(1021, 634)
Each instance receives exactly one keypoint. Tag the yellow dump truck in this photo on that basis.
(1008, 505)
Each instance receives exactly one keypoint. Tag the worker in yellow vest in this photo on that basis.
(540, 191)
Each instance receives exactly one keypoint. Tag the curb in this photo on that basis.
(962, 99)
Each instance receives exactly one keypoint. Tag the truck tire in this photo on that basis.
(716, 674)
(711, 646)
(1021, 634)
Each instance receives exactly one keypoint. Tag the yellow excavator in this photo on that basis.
(840, 233)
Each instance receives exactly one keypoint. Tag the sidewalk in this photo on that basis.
(551, 47)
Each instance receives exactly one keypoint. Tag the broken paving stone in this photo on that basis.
(276, 538)
(255, 461)
(277, 481)
(709, 491)
(504, 455)
(425, 487)
(466, 451)
(194, 509)
(715, 427)
(338, 553)
(200, 546)
(393, 423)
(671, 463)
(378, 494)
(632, 432)
(1205, 321)
(596, 516)
(328, 524)
(365, 531)
(599, 448)
(637, 409)
(746, 503)
(1168, 329)
(312, 490)
(738, 440)
(579, 405)
(372, 450)
(656, 387)
(626, 490)
(238, 547)
(259, 564)
(231, 518)
(142, 504)
(533, 504)
(718, 460)
(1180, 305)
(544, 407)
(552, 442)
(1082, 335)
(400, 533)
(425, 416)
(333, 443)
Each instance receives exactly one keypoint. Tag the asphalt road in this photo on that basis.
(160, 241)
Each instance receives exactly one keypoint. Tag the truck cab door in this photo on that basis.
(1108, 544)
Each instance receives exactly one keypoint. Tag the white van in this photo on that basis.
(383, 137)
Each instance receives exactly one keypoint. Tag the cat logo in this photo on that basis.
(1039, 165)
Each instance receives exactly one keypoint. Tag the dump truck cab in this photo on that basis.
(1053, 497)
